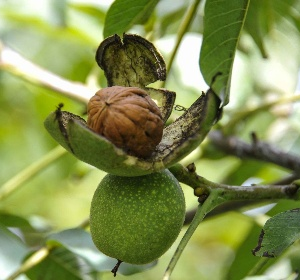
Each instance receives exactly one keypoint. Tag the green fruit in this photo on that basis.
(136, 219)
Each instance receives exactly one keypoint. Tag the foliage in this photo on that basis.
(45, 197)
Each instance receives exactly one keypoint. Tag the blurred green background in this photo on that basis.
(62, 37)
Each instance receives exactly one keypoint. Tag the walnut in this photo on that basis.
(128, 117)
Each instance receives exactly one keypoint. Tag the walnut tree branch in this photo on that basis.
(256, 150)
(202, 187)
(17, 65)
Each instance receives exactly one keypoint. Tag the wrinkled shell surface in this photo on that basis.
(128, 117)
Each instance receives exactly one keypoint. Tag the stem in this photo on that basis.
(256, 150)
(230, 193)
(258, 266)
(14, 63)
(33, 260)
(39, 256)
(219, 193)
(32, 170)
(242, 115)
(210, 203)
(185, 24)
(84, 224)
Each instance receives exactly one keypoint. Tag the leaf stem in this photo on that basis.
(209, 204)
(39, 255)
(22, 177)
(258, 266)
(185, 24)
(246, 113)
(33, 260)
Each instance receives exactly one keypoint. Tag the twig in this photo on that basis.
(33, 260)
(22, 177)
(217, 194)
(258, 266)
(257, 150)
(224, 208)
(39, 255)
(244, 114)
(211, 202)
(231, 193)
(185, 24)
(14, 63)
(238, 205)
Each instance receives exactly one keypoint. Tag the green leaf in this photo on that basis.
(61, 264)
(223, 22)
(256, 23)
(94, 12)
(278, 234)
(265, 17)
(244, 261)
(79, 242)
(31, 235)
(123, 14)
(13, 250)
(57, 10)
(10, 220)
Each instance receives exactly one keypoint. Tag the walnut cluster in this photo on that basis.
(128, 117)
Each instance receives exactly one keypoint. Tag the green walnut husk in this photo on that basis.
(136, 62)
(137, 219)
(179, 139)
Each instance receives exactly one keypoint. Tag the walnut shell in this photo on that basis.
(128, 117)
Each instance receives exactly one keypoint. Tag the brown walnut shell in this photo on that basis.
(128, 117)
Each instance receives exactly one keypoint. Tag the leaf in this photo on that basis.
(92, 11)
(61, 264)
(79, 242)
(13, 250)
(223, 22)
(31, 235)
(123, 14)
(57, 10)
(265, 17)
(256, 23)
(244, 261)
(10, 220)
(278, 234)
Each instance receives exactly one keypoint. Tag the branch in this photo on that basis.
(30, 171)
(266, 106)
(202, 187)
(256, 150)
(213, 194)
(17, 65)
(238, 205)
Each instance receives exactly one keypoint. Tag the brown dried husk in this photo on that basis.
(128, 117)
